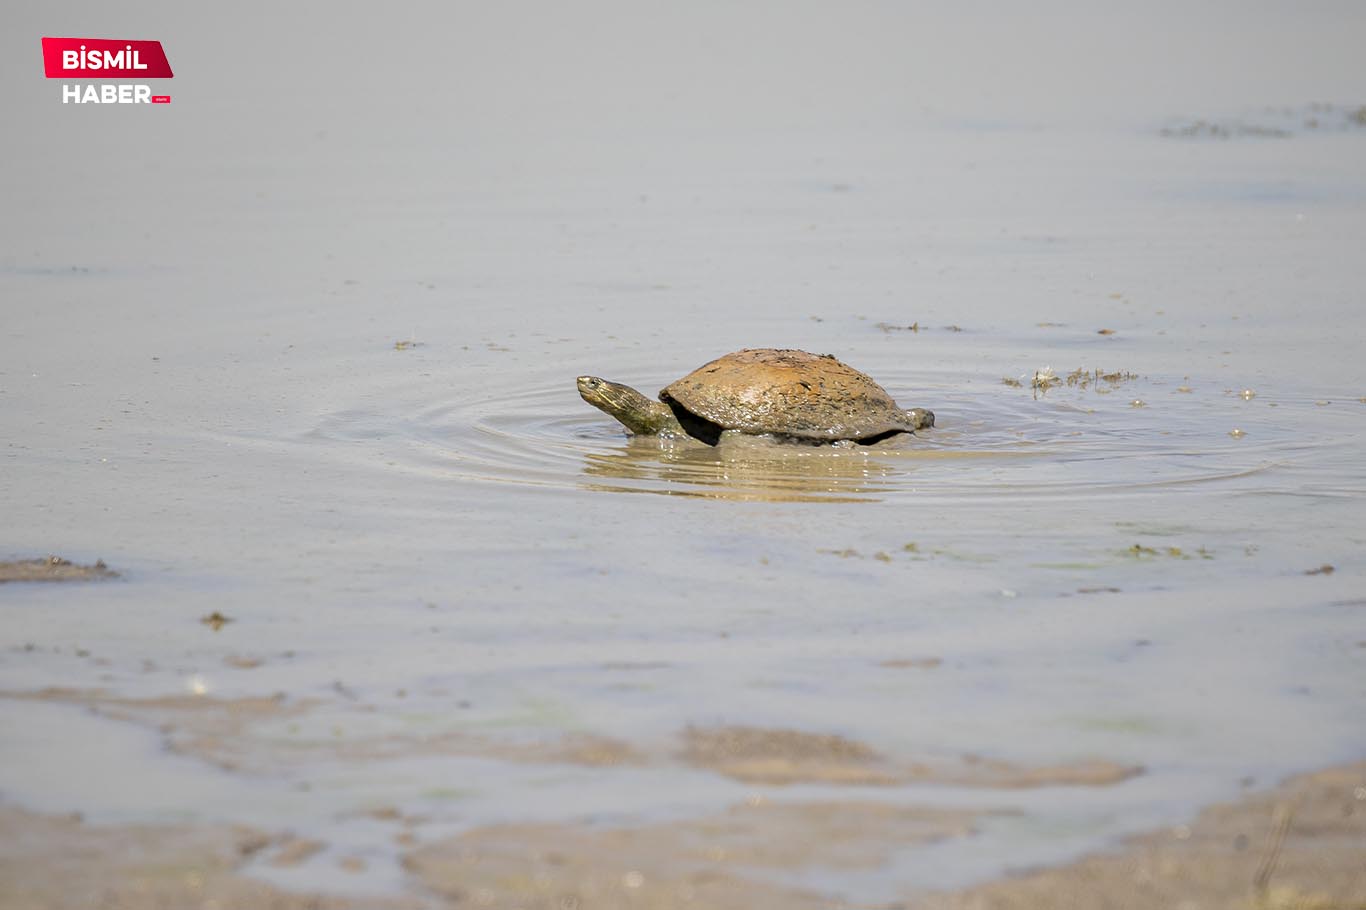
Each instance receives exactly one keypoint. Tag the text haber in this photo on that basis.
(107, 94)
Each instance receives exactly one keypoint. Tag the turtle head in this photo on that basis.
(920, 418)
(637, 413)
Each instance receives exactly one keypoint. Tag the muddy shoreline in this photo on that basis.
(52, 568)
(1298, 845)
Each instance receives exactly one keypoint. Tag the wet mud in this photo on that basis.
(1297, 847)
(52, 568)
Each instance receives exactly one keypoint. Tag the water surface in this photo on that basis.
(314, 369)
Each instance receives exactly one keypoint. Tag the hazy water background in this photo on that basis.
(199, 383)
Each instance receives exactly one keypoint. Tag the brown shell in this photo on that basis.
(792, 393)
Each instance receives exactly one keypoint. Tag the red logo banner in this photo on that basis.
(104, 58)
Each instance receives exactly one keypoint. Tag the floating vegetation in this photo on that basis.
(889, 327)
(1273, 123)
(1139, 551)
(1045, 379)
(911, 663)
(1102, 381)
(912, 551)
(1205, 129)
(215, 620)
(1081, 378)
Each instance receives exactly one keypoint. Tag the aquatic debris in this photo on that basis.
(1274, 123)
(913, 552)
(1247, 394)
(1045, 379)
(1236, 433)
(889, 327)
(1204, 129)
(1324, 569)
(53, 568)
(1105, 331)
(1013, 383)
(406, 345)
(1138, 403)
(1139, 551)
(215, 620)
(1080, 378)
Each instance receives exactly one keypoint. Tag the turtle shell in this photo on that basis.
(785, 392)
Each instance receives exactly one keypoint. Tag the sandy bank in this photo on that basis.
(1298, 846)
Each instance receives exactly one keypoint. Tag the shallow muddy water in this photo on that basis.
(313, 371)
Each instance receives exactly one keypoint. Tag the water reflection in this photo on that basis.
(747, 469)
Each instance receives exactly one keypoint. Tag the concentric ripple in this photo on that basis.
(994, 442)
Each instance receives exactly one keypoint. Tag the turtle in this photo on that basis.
(785, 393)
